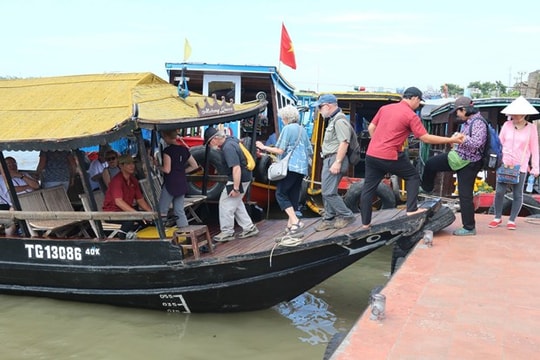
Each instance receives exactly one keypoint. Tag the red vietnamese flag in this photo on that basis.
(286, 54)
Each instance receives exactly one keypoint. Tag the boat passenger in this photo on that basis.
(231, 206)
(519, 140)
(177, 161)
(124, 194)
(111, 156)
(293, 137)
(95, 171)
(335, 164)
(56, 168)
(469, 150)
(23, 183)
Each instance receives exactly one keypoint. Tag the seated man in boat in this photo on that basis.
(124, 194)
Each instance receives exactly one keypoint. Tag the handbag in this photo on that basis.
(508, 174)
(278, 170)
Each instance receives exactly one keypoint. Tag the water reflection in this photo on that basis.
(311, 315)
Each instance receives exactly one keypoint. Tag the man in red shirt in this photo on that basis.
(124, 194)
(389, 129)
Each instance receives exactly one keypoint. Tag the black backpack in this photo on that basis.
(354, 152)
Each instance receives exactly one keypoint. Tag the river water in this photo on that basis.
(39, 328)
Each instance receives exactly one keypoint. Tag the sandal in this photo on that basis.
(295, 228)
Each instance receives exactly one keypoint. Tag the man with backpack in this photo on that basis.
(467, 163)
(231, 206)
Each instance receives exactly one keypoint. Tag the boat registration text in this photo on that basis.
(56, 252)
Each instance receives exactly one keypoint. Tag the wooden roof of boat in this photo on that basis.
(75, 111)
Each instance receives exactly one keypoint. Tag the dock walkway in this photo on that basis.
(473, 297)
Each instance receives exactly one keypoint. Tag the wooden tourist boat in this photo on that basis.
(72, 254)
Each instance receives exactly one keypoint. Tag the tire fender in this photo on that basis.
(384, 193)
(216, 166)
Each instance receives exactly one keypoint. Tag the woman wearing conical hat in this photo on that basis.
(519, 140)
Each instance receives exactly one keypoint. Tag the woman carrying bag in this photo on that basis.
(292, 139)
(519, 139)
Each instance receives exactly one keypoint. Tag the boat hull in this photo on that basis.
(152, 274)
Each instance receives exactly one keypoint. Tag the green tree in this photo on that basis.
(453, 90)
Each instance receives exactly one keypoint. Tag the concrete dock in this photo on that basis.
(472, 297)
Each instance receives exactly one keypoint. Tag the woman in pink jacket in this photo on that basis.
(519, 139)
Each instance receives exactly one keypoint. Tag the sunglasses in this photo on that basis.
(111, 158)
(320, 106)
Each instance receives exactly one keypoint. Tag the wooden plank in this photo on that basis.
(78, 215)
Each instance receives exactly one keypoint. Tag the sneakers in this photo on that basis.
(343, 222)
(494, 223)
(511, 226)
(325, 225)
(464, 232)
(248, 233)
(222, 237)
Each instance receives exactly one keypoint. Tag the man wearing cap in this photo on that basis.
(335, 164)
(124, 194)
(389, 130)
(471, 149)
(231, 206)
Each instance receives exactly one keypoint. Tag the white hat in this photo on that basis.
(520, 106)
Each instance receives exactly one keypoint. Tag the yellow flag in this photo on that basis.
(187, 50)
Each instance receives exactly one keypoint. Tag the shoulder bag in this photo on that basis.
(510, 174)
(278, 170)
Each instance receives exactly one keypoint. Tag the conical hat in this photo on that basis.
(520, 106)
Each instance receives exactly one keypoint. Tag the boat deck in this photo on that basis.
(464, 298)
(271, 231)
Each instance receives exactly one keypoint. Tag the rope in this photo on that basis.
(286, 240)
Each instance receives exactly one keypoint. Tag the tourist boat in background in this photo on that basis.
(241, 83)
(68, 253)
(439, 121)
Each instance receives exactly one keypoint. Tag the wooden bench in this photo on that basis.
(191, 202)
(49, 200)
(110, 229)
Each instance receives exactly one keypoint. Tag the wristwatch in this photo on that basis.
(236, 190)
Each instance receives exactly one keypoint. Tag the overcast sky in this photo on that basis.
(338, 44)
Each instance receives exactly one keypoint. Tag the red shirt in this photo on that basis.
(394, 123)
(119, 188)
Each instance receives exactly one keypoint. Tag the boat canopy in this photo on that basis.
(69, 112)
